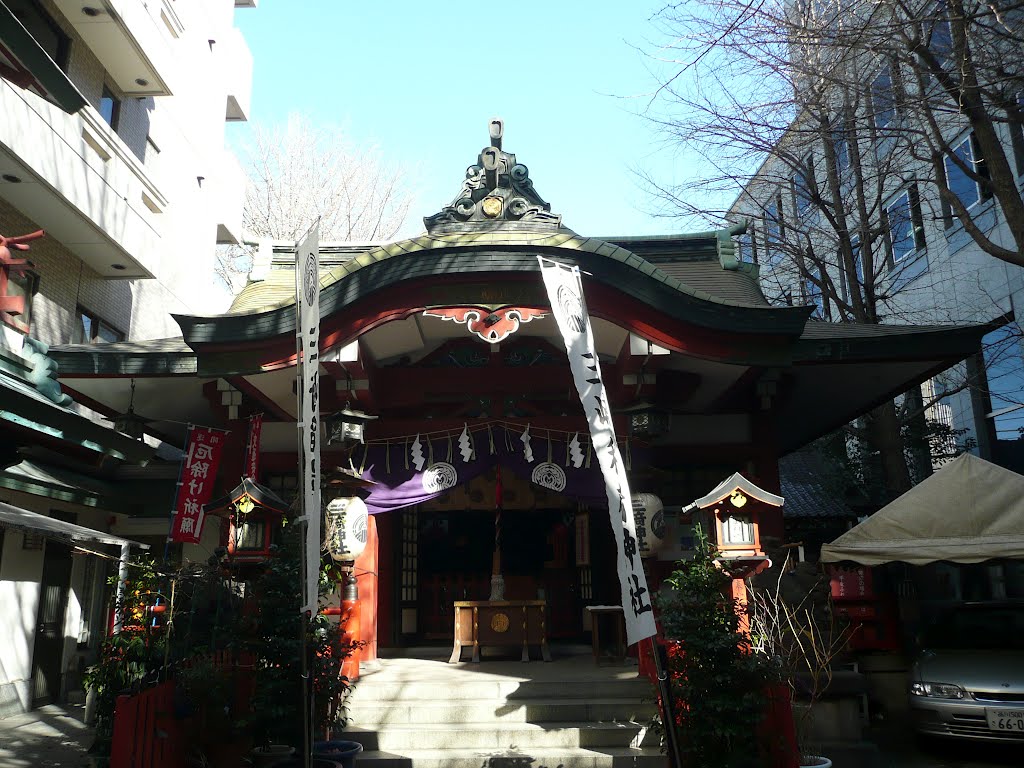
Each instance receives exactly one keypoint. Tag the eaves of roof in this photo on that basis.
(822, 341)
(157, 357)
(496, 252)
(22, 406)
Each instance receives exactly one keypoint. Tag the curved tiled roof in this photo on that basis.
(705, 280)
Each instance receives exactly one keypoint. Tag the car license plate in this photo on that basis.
(1005, 719)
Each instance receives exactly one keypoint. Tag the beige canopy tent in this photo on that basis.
(969, 511)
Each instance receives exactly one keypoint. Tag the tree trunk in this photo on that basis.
(886, 438)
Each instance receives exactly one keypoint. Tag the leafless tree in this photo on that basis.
(300, 171)
(810, 116)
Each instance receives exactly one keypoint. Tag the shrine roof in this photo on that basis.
(688, 287)
(689, 264)
(813, 489)
(151, 357)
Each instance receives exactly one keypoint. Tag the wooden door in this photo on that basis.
(48, 651)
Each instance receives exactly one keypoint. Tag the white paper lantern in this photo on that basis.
(649, 515)
(348, 523)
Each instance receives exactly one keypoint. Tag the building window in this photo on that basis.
(44, 30)
(841, 148)
(858, 258)
(803, 185)
(1004, 374)
(746, 248)
(18, 287)
(938, 35)
(93, 330)
(883, 98)
(774, 229)
(110, 107)
(968, 189)
(904, 226)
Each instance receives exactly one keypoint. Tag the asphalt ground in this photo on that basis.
(50, 737)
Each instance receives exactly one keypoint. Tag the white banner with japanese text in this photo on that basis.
(565, 292)
(307, 345)
(195, 483)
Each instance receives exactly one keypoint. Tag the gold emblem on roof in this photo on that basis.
(492, 207)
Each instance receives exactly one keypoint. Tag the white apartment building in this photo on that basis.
(854, 153)
(112, 141)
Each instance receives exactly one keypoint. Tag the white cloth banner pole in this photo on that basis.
(307, 333)
(565, 291)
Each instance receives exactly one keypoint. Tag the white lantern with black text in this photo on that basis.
(649, 515)
(347, 526)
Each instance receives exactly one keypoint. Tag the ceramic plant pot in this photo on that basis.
(265, 757)
(340, 751)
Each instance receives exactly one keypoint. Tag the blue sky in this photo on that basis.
(421, 80)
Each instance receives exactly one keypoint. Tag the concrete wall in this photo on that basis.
(20, 573)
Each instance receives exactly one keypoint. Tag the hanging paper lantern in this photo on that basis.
(649, 515)
(347, 518)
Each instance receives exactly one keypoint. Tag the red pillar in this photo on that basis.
(366, 578)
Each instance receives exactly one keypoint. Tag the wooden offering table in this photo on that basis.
(614, 651)
(500, 622)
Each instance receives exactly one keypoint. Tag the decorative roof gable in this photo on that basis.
(497, 190)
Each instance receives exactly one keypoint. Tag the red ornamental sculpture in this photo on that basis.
(8, 264)
(491, 326)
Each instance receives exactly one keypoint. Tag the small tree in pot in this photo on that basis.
(272, 635)
(717, 681)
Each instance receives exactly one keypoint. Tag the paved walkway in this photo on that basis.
(52, 736)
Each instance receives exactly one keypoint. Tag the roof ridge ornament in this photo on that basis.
(497, 191)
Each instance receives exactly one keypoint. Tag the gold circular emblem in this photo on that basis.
(492, 207)
(499, 622)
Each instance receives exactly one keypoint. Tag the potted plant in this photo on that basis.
(796, 630)
(273, 638)
(717, 681)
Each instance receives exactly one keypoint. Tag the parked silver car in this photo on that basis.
(967, 680)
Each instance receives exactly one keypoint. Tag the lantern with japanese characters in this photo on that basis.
(649, 516)
(347, 521)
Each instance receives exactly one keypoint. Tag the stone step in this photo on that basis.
(368, 690)
(606, 757)
(550, 710)
(484, 736)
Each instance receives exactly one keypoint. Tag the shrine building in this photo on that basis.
(477, 433)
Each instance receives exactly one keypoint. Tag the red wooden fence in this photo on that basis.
(146, 732)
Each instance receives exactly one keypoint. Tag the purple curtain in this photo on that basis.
(419, 468)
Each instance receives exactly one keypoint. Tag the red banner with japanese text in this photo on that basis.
(252, 447)
(195, 485)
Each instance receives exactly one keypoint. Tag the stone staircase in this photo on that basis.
(425, 713)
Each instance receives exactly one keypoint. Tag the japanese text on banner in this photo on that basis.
(198, 473)
(307, 336)
(565, 291)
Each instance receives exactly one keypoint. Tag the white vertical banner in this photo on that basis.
(307, 345)
(565, 291)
